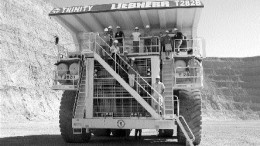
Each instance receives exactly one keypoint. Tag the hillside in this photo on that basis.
(232, 85)
(27, 57)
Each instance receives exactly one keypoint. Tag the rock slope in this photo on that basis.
(27, 55)
(232, 87)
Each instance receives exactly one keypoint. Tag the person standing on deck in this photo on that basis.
(132, 72)
(159, 87)
(110, 34)
(120, 36)
(136, 40)
(114, 49)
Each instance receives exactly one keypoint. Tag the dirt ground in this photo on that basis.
(217, 133)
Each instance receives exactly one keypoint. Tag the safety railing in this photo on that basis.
(116, 65)
(144, 45)
(65, 81)
(188, 77)
(66, 75)
(189, 47)
(81, 72)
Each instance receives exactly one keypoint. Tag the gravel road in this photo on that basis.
(217, 133)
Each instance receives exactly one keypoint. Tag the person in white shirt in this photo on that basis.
(136, 39)
(159, 87)
(114, 49)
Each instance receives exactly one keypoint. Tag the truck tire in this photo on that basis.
(190, 109)
(65, 120)
(165, 132)
(101, 132)
(121, 132)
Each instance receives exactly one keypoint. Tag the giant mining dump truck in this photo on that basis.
(102, 98)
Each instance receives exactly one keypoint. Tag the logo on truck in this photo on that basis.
(120, 123)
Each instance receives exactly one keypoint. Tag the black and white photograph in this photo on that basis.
(129, 72)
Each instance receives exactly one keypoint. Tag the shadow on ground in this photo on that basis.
(57, 140)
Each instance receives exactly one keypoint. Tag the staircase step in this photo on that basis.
(168, 98)
(81, 100)
(80, 103)
(169, 103)
(168, 112)
(168, 107)
(79, 115)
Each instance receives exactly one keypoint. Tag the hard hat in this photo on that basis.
(110, 26)
(133, 59)
(125, 52)
(136, 28)
(167, 31)
(175, 29)
(115, 41)
(158, 77)
(147, 26)
(118, 27)
(105, 29)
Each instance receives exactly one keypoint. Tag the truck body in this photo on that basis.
(98, 96)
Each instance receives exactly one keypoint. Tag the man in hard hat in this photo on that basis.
(114, 49)
(119, 35)
(136, 39)
(157, 94)
(105, 43)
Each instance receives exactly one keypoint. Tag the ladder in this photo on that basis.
(167, 79)
(80, 103)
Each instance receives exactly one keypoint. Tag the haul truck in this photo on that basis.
(98, 99)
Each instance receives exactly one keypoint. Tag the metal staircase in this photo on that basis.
(167, 79)
(79, 105)
(127, 87)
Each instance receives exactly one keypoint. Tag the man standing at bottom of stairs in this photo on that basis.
(159, 87)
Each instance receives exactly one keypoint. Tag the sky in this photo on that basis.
(231, 28)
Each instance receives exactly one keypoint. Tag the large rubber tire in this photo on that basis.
(66, 115)
(121, 132)
(165, 132)
(190, 109)
(101, 132)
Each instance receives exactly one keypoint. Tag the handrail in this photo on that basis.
(192, 135)
(138, 75)
(192, 45)
(78, 87)
(177, 100)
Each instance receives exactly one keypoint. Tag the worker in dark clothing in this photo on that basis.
(140, 134)
(119, 35)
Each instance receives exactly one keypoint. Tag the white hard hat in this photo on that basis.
(105, 29)
(133, 59)
(175, 29)
(115, 41)
(158, 77)
(167, 31)
(110, 26)
(147, 26)
(136, 28)
(118, 27)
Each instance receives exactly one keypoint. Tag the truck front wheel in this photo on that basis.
(190, 109)
(65, 120)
